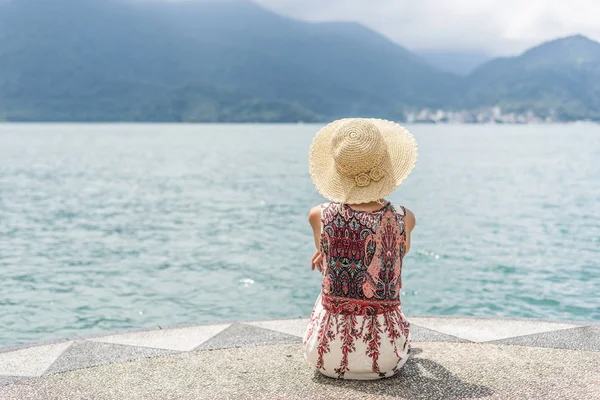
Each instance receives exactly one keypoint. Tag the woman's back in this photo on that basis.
(363, 252)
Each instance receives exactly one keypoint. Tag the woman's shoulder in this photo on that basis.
(409, 219)
(322, 210)
(315, 212)
(407, 215)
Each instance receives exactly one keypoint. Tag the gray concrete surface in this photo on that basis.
(453, 358)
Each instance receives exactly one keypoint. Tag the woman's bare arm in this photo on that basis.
(410, 222)
(314, 218)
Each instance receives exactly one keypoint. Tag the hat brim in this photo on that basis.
(400, 159)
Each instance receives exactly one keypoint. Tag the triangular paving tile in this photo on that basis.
(484, 330)
(583, 338)
(294, 327)
(420, 334)
(7, 380)
(87, 354)
(242, 335)
(32, 361)
(297, 327)
(178, 339)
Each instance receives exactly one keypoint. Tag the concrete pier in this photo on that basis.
(453, 358)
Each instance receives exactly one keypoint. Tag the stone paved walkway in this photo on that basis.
(453, 358)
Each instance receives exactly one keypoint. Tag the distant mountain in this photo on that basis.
(331, 68)
(562, 74)
(234, 61)
(457, 62)
(200, 61)
(84, 60)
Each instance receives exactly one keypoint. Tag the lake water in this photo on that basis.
(109, 227)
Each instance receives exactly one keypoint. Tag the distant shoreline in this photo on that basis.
(582, 122)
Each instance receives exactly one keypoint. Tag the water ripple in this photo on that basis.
(108, 227)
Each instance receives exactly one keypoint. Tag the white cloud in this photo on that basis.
(498, 27)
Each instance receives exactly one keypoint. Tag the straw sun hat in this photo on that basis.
(359, 160)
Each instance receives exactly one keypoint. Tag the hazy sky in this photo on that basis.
(494, 26)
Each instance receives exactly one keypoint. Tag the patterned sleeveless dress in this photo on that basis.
(357, 329)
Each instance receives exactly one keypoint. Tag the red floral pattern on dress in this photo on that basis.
(325, 334)
(362, 270)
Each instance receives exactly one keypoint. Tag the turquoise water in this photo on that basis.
(109, 227)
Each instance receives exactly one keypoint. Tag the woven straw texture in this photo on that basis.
(359, 160)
